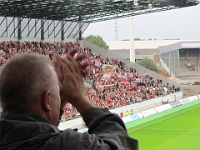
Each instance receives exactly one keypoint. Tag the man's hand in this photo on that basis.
(71, 73)
(80, 59)
(70, 78)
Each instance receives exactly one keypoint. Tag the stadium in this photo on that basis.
(154, 108)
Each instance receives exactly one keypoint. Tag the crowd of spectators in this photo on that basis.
(110, 84)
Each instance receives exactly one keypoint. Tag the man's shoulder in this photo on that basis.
(32, 133)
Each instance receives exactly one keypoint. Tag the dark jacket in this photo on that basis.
(24, 130)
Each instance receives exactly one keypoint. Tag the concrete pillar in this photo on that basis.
(42, 29)
(62, 31)
(35, 26)
(132, 50)
(80, 29)
(19, 33)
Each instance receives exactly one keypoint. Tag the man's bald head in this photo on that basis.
(23, 80)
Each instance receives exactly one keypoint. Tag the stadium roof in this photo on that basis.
(86, 10)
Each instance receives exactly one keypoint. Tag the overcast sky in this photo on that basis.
(181, 23)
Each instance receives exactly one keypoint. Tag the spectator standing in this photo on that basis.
(127, 113)
(33, 102)
(131, 112)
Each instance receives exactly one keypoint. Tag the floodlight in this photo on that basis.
(136, 2)
(117, 1)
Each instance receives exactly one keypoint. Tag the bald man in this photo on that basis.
(33, 93)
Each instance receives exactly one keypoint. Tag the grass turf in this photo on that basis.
(174, 129)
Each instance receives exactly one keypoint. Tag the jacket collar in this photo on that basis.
(22, 114)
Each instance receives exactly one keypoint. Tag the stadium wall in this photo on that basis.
(159, 109)
(138, 107)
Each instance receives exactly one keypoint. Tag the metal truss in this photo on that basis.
(88, 10)
(25, 27)
(52, 18)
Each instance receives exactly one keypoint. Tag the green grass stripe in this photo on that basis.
(161, 114)
(174, 129)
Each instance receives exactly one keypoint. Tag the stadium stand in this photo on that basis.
(110, 83)
(189, 66)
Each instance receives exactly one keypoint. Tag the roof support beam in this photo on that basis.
(71, 10)
(62, 27)
(55, 26)
(19, 20)
(42, 26)
(36, 21)
(72, 30)
(68, 27)
(19, 33)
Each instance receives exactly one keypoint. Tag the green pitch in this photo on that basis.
(174, 129)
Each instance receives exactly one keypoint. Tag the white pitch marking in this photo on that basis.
(163, 119)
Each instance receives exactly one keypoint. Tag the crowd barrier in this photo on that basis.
(175, 104)
(132, 117)
(155, 110)
(137, 108)
(148, 112)
(152, 111)
(163, 108)
(188, 100)
(160, 108)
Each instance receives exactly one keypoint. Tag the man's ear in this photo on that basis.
(46, 101)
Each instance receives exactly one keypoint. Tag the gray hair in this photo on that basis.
(23, 80)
